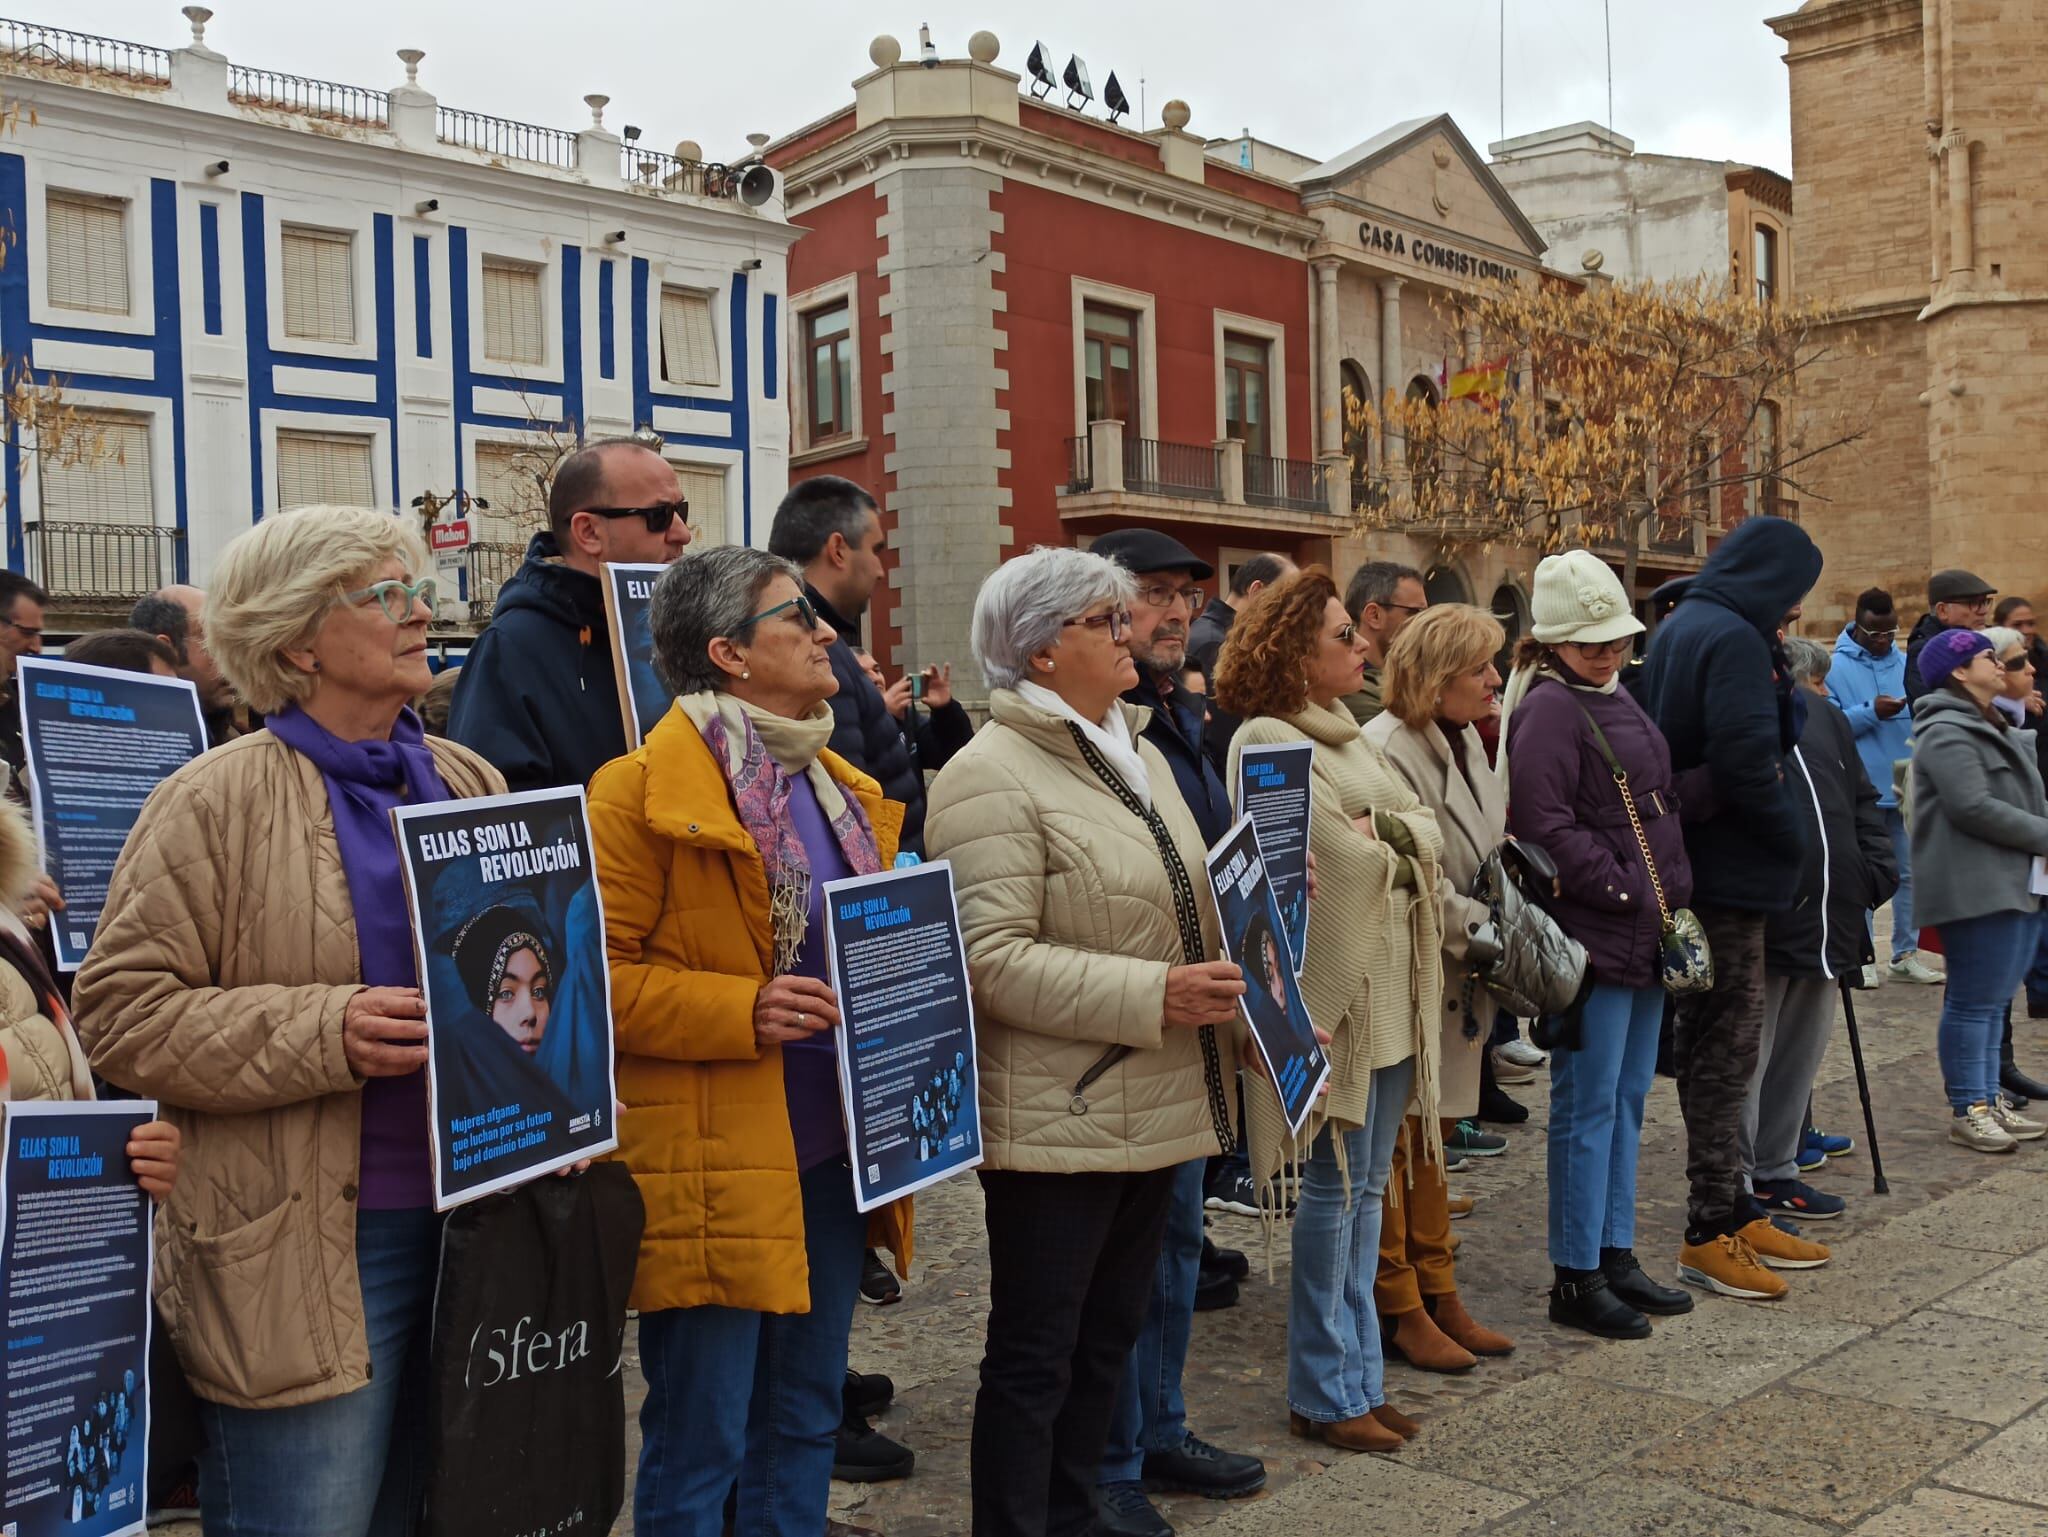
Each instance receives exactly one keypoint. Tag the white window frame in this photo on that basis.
(320, 239)
(275, 465)
(723, 461)
(131, 188)
(352, 219)
(378, 429)
(1274, 335)
(799, 307)
(475, 438)
(491, 262)
(162, 452)
(717, 283)
(1147, 308)
(530, 251)
(658, 357)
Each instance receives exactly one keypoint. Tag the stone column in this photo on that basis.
(1329, 366)
(1961, 253)
(1391, 381)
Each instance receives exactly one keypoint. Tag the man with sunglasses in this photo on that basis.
(1868, 681)
(1149, 1440)
(1383, 595)
(1956, 600)
(537, 696)
(21, 634)
(1211, 627)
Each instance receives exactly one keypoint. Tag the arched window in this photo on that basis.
(1357, 432)
(1424, 463)
(1511, 607)
(1445, 584)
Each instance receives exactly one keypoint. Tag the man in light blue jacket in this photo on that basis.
(1868, 680)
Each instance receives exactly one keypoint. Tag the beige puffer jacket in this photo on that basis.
(1068, 919)
(42, 1054)
(216, 985)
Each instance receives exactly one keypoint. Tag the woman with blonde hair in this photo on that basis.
(1438, 682)
(1373, 979)
(254, 972)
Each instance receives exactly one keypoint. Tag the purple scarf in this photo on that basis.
(365, 780)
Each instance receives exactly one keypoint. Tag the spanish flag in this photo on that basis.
(1483, 384)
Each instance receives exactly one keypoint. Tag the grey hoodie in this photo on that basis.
(1979, 814)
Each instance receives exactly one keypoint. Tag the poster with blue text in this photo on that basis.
(98, 741)
(908, 1077)
(74, 1290)
(1273, 790)
(643, 700)
(1296, 1064)
(510, 932)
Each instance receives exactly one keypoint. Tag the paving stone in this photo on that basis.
(1944, 1513)
(1721, 1351)
(2012, 1292)
(1548, 1432)
(1628, 1502)
(1366, 1494)
(2012, 1465)
(1828, 1459)
(1877, 1278)
(1940, 1363)
(2004, 1214)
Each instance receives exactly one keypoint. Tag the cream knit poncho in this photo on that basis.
(1374, 974)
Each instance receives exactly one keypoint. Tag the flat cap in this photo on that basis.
(1140, 550)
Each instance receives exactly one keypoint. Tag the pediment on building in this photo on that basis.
(1424, 174)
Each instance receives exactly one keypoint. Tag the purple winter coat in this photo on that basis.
(1562, 797)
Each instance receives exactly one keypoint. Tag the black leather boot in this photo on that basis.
(1582, 1299)
(2019, 1088)
(1626, 1279)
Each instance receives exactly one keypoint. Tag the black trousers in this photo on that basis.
(1716, 1044)
(1071, 1263)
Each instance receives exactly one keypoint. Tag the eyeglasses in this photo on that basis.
(1117, 621)
(396, 598)
(1604, 648)
(805, 615)
(657, 517)
(1865, 630)
(1976, 605)
(32, 631)
(1346, 633)
(1410, 609)
(2017, 663)
(1160, 595)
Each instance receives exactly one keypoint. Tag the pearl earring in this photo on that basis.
(744, 675)
(1049, 666)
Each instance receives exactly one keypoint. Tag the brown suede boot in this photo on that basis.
(1426, 1347)
(1364, 1434)
(1449, 1313)
(1399, 1423)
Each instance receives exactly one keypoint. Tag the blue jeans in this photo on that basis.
(1335, 1370)
(1905, 938)
(1151, 1415)
(347, 1466)
(1596, 1124)
(1987, 957)
(735, 1394)
(2037, 973)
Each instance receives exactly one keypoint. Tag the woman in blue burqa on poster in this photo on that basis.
(533, 1029)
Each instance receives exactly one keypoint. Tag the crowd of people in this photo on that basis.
(1705, 832)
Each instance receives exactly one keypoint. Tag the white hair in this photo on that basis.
(1025, 602)
(2003, 640)
(1809, 659)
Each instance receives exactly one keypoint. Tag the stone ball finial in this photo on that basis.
(689, 149)
(983, 47)
(596, 102)
(199, 16)
(1175, 114)
(1593, 259)
(885, 51)
(410, 58)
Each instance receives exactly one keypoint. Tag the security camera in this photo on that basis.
(615, 237)
(431, 205)
(217, 168)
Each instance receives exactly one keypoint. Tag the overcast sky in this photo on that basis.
(1702, 80)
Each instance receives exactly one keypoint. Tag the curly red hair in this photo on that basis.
(1263, 667)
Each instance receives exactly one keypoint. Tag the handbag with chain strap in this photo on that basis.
(1685, 961)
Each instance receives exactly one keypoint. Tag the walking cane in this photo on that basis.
(1878, 1184)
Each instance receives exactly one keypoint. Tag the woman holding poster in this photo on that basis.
(255, 972)
(1372, 980)
(714, 843)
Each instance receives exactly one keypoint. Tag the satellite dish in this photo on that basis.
(1113, 97)
(1040, 70)
(1079, 89)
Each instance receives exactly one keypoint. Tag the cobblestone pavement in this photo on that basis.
(1902, 1390)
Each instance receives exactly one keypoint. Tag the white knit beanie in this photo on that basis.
(1578, 599)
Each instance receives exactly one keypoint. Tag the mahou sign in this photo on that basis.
(1429, 253)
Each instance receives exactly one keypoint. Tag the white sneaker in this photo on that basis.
(2013, 1124)
(1522, 1053)
(1867, 978)
(1975, 1128)
(1910, 968)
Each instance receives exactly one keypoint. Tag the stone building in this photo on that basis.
(1918, 152)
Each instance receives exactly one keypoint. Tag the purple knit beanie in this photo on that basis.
(1947, 651)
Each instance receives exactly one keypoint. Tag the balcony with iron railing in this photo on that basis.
(487, 567)
(1292, 483)
(504, 139)
(101, 566)
(61, 54)
(270, 90)
(1111, 475)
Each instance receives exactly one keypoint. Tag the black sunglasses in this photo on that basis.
(658, 517)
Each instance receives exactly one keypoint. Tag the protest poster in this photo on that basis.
(509, 928)
(75, 1292)
(1273, 790)
(97, 740)
(908, 1077)
(1296, 1064)
(642, 699)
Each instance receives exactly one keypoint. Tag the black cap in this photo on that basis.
(1953, 585)
(1142, 550)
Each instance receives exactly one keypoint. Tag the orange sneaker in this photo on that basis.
(1728, 1265)
(1782, 1250)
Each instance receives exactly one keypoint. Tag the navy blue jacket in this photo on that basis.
(1717, 684)
(866, 735)
(1176, 729)
(537, 696)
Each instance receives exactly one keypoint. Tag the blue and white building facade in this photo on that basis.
(254, 292)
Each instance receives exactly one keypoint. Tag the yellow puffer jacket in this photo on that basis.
(1070, 928)
(216, 985)
(40, 1053)
(706, 1129)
